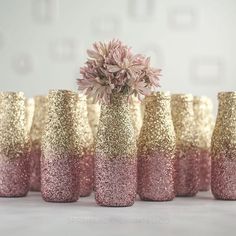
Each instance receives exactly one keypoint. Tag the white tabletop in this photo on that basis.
(200, 215)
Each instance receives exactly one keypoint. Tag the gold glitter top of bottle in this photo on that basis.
(59, 133)
(14, 141)
(224, 134)
(183, 120)
(202, 107)
(84, 135)
(39, 119)
(116, 137)
(157, 133)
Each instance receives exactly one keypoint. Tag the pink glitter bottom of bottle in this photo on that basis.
(223, 178)
(156, 177)
(205, 170)
(14, 176)
(86, 176)
(186, 174)
(35, 176)
(59, 178)
(115, 180)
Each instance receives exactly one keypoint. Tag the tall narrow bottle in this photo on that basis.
(156, 149)
(14, 146)
(59, 160)
(186, 155)
(223, 149)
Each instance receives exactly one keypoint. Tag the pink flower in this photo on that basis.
(113, 68)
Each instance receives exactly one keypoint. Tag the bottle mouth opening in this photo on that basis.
(182, 97)
(227, 94)
(5, 94)
(161, 95)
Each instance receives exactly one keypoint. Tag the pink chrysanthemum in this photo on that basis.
(113, 68)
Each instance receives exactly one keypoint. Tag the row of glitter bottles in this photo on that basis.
(168, 160)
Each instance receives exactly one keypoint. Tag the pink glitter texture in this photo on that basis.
(186, 174)
(14, 176)
(59, 178)
(115, 180)
(156, 177)
(35, 177)
(86, 175)
(205, 170)
(223, 178)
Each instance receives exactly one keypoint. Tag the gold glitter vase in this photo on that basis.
(115, 155)
(36, 136)
(85, 148)
(136, 115)
(223, 148)
(202, 107)
(156, 149)
(59, 160)
(186, 155)
(14, 146)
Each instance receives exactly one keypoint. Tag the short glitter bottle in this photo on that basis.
(115, 155)
(59, 160)
(223, 149)
(85, 148)
(36, 136)
(14, 146)
(156, 149)
(202, 107)
(136, 115)
(186, 155)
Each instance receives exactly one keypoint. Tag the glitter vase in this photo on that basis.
(223, 149)
(36, 136)
(202, 107)
(156, 149)
(186, 154)
(14, 146)
(115, 155)
(85, 148)
(59, 160)
(136, 115)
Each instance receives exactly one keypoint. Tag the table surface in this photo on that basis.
(200, 215)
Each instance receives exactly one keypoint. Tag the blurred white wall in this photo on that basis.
(43, 42)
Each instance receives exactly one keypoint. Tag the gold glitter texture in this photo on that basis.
(14, 140)
(29, 106)
(157, 132)
(116, 135)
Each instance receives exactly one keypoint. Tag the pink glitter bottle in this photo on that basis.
(223, 149)
(14, 146)
(115, 155)
(186, 155)
(36, 136)
(59, 160)
(85, 147)
(156, 149)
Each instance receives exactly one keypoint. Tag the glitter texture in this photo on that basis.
(202, 107)
(115, 155)
(93, 115)
(136, 115)
(187, 153)
(223, 178)
(85, 148)
(59, 160)
(14, 146)
(36, 136)
(156, 149)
